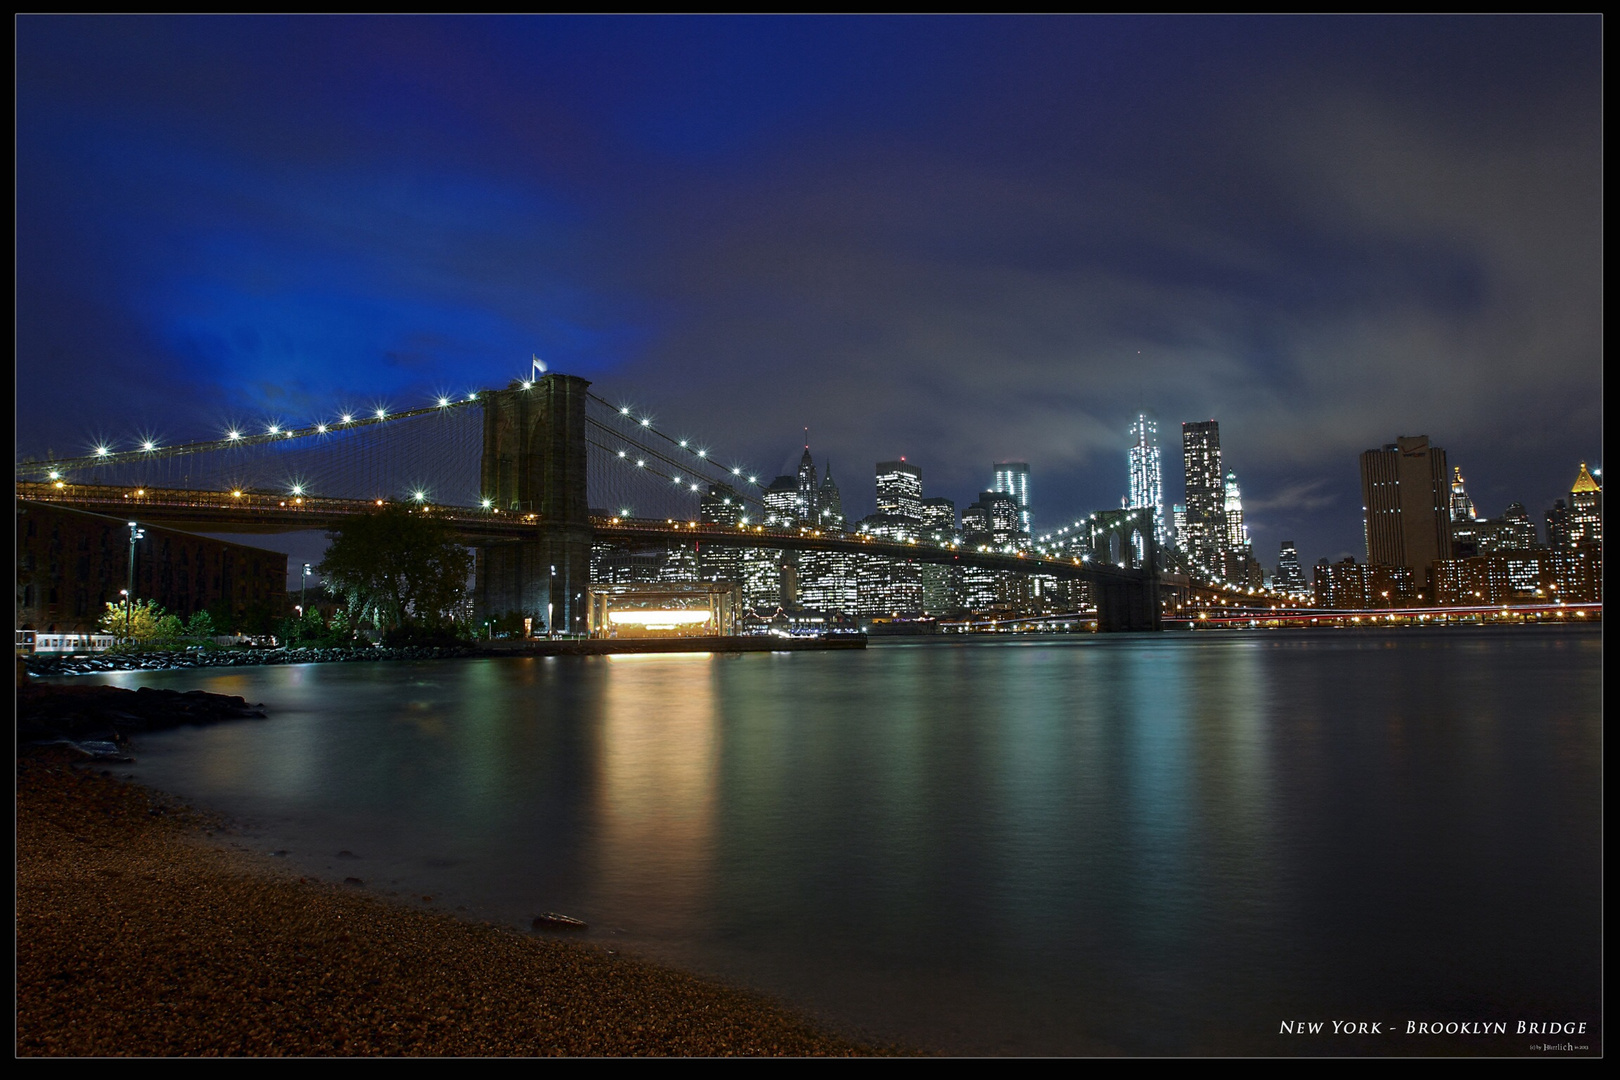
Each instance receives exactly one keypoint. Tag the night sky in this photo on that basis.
(960, 240)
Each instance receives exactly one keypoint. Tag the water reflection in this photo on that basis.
(1135, 845)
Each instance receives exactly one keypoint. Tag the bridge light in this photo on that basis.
(444, 402)
(683, 444)
(625, 512)
(148, 445)
(752, 480)
(419, 496)
(621, 453)
(101, 451)
(236, 494)
(640, 464)
(702, 453)
(348, 418)
(298, 489)
(275, 429)
(472, 397)
(527, 384)
(382, 414)
(55, 475)
(321, 428)
(624, 411)
(487, 503)
(646, 421)
(694, 487)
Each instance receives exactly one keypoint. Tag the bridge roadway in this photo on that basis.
(249, 512)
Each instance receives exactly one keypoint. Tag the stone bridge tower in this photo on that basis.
(534, 463)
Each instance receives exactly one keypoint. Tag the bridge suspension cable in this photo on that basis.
(734, 476)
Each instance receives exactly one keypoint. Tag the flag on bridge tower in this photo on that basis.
(539, 368)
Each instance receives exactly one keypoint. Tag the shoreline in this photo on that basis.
(143, 930)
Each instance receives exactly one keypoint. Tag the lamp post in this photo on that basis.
(303, 591)
(135, 533)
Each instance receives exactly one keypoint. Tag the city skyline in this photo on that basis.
(1201, 217)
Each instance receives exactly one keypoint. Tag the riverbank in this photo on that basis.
(47, 665)
(142, 930)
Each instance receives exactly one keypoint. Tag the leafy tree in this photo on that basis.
(397, 568)
(144, 624)
(201, 626)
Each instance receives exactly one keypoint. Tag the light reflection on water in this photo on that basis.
(1136, 844)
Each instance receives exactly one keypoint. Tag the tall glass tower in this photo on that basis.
(1147, 477)
(1012, 478)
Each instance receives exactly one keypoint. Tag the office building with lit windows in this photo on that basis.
(1206, 493)
(1147, 474)
(899, 490)
(1012, 478)
(1585, 510)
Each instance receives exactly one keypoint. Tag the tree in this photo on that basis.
(144, 623)
(397, 567)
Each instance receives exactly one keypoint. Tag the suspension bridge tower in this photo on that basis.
(534, 464)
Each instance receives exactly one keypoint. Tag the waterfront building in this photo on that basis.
(1206, 493)
(71, 564)
(899, 489)
(1290, 576)
(1147, 474)
(1406, 505)
(829, 580)
(888, 586)
(1585, 509)
(766, 582)
(1178, 518)
(1012, 478)
(1352, 586)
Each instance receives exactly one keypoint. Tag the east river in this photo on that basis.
(1171, 844)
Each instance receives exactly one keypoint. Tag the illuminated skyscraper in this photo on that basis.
(1462, 507)
(1290, 576)
(899, 490)
(1012, 478)
(1206, 492)
(807, 485)
(1585, 510)
(1147, 476)
(1406, 501)
(1237, 535)
(829, 504)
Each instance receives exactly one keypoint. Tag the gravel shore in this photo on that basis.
(141, 932)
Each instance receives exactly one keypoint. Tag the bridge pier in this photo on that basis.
(534, 464)
(1128, 605)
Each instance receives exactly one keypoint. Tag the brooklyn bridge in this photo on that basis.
(532, 477)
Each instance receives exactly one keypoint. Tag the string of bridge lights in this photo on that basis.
(149, 448)
(738, 474)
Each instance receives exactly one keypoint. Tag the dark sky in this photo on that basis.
(955, 239)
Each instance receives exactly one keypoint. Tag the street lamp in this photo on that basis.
(303, 590)
(135, 533)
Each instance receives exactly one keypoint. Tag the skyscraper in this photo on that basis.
(807, 484)
(829, 503)
(1406, 502)
(1147, 475)
(899, 490)
(1585, 509)
(1462, 507)
(1237, 535)
(1012, 478)
(1290, 575)
(1206, 492)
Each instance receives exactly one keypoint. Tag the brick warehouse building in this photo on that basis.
(70, 564)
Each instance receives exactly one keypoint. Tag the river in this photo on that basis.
(1181, 843)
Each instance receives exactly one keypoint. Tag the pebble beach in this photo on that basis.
(142, 930)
